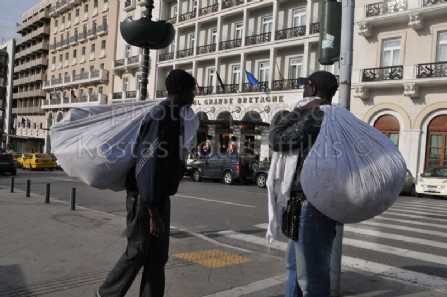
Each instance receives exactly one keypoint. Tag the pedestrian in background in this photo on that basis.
(149, 185)
(308, 257)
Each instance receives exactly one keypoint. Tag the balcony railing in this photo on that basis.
(187, 16)
(73, 40)
(163, 93)
(315, 28)
(438, 69)
(166, 57)
(383, 73)
(386, 7)
(229, 44)
(94, 76)
(228, 89)
(117, 95)
(205, 90)
(432, 2)
(208, 10)
(172, 20)
(206, 49)
(257, 39)
(91, 33)
(232, 3)
(120, 62)
(185, 53)
(286, 84)
(82, 36)
(261, 87)
(102, 29)
(290, 33)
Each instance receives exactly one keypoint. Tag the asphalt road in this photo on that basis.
(409, 240)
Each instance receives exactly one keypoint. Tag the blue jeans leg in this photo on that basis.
(292, 289)
(313, 252)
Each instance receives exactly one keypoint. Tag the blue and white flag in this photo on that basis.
(251, 78)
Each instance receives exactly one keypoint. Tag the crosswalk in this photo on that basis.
(406, 243)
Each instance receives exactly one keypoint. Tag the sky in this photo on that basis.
(11, 12)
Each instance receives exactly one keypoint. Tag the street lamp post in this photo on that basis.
(147, 34)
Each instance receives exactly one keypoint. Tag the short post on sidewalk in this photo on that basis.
(73, 199)
(47, 194)
(28, 188)
(12, 184)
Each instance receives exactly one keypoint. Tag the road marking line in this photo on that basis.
(216, 201)
(252, 287)
(407, 276)
(380, 234)
(404, 228)
(425, 209)
(389, 212)
(429, 203)
(403, 210)
(66, 179)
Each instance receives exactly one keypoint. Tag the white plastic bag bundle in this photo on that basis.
(353, 172)
(95, 143)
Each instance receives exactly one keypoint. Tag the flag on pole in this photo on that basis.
(251, 78)
(220, 81)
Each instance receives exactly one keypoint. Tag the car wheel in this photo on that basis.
(254, 166)
(227, 178)
(261, 180)
(413, 191)
(196, 176)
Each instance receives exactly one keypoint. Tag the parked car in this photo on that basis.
(433, 181)
(56, 161)
(7, 164)
(38, 161)
(409, 184)
(22, 157)
(15, 157)
(229, 168)
(260, 175)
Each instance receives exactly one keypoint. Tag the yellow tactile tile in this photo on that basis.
(213, 258)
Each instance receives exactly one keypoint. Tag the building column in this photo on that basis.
(212, 133)
(265, 149)
(237, 134)
(272, 67)
(245, 28)
(243, 58)
(308, 16)
(219, 32)
(306, 59)
(410, 148)
(275, 18)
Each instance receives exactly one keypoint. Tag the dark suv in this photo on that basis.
(7, 164)
(227, 167)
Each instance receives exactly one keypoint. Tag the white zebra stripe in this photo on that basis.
(390, 212)
(429, 210)
(404, 228)
(403, 210)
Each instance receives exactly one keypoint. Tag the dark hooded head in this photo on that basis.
(324, 82)
(178, 81)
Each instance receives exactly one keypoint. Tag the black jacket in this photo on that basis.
(298, 130)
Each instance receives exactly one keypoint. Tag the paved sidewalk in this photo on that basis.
(49, 250)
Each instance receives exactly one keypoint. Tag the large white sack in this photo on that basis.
(353, 172)
(95, 143)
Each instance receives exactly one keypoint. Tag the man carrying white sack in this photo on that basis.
(149, 185)
(312, 233)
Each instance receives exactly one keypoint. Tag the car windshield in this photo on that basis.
(436, 172)
(42, 156)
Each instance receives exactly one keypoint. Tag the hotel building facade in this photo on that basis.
(399, 80)
(8, 123)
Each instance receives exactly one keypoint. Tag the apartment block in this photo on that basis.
(82, 51)
(8, 122)
(399, 81)
(31, 62)
(217, 42)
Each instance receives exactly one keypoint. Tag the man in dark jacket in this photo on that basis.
(308, 258)
(156, 177)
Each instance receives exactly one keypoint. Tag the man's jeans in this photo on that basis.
(143, 250)
(309, 258)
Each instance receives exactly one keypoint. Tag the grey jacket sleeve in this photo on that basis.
(297, 130)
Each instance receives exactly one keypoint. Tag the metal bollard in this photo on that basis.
(12, 184)
(73, 199)
(47, 194)
(28, 187)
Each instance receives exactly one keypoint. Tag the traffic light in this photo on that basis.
(330, 32)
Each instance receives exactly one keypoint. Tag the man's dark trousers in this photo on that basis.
(143, 250)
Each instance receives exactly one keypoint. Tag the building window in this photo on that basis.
(299, 17)
(437, 142)
(235, 74)
(264, 69)
(100, 90)
(174, 11)
(66, 56)
(83, 51)
(391, 52)
(125, 84)
(69, 16)
(389, 125)
(92, 48)
(238, 31)
(334, 68)
(211, 74)
(75, 53)
(56, 22)
(194, 5)
(213, 39)
(191, 38)
(86, 8)
(441, 52)
(295, 68)
(267, 23)
(77, 12)
(128, 51)
(95, 4)
(103, 45)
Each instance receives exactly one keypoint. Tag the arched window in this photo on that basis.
(436, 142)
(389, 126)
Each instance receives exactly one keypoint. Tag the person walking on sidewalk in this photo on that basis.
(149, 185)
(308, 257)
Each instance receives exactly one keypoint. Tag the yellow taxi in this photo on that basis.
(38, 161)
(20, 159)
